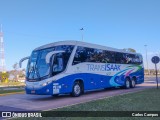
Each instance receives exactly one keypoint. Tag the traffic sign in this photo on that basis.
(155, 59)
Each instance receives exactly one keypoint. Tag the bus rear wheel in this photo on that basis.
(127, 83)
(133, 83)
(77, 89)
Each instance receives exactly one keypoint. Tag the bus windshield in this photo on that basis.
(38, 67)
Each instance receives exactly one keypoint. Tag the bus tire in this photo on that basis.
(133, 83)
(55, 95)
(127, 83)
(77, 89)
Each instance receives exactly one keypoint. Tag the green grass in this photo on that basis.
(12, 84)
(147, 100)
(7, 87)
(10, 91)
(6, 90)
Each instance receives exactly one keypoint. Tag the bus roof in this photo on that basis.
(84, 44)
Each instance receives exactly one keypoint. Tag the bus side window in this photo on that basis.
(58, 63)
(138, 59)
(119, 58)
(131, 58)
(110, 56)
(80, 55)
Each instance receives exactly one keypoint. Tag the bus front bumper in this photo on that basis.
(42, 90)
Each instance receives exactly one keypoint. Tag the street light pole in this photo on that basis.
(146, 58)
(82, 32)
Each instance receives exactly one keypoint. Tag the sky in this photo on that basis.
(28, 24)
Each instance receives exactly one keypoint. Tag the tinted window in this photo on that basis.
(109, 56)
(138, 59)
(84, 54)
(119, 58)
(60, 60)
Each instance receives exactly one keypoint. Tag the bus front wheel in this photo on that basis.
(77, 89)
(55, 95)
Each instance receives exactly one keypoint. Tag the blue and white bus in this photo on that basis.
(76, 67)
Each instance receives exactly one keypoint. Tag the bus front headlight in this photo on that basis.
(49, 81)
(44, 84)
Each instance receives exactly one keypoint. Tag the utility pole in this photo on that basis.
(146, 58)
(82, 32)
(2, 58)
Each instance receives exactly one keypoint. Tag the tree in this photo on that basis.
(129, 50)
(15, 71)
(15, 66)
(4, 76)
(21, 73)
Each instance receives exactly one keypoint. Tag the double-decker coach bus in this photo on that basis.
(76, 67)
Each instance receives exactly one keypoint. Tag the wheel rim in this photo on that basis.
(77, 89)
(127, 84)
(133, 83)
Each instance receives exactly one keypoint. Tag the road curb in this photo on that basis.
(12, 93)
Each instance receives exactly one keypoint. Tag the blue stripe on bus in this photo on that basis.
(91, 81)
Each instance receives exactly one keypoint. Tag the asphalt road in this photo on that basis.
(24, 102)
